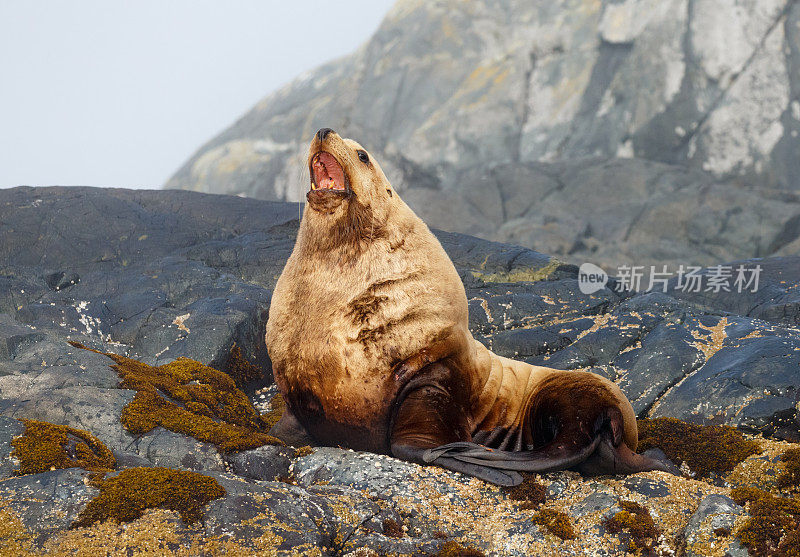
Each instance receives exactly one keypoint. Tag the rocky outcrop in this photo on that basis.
(624, 131)
(161, 275)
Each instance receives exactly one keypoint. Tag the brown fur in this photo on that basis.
(369, 341)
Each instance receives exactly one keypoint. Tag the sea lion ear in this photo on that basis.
(389, 191)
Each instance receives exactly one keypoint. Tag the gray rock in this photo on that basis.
(750, 383)
(647, 487)
(243, 514)
(714, 512)
(384, 476)
(195, 285)
(214, 268)
(593, 503)
(9, 428)
(49, 502)
(335, 519)
(267, 463)
(126, 459)
(175, 450)
(617, 132)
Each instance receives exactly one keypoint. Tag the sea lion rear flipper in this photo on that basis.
(620, 459)
(555, 456)
(289, 430)
(495, 476)
(429, 416)
(602, 452)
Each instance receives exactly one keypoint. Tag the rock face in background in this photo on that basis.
(617, 131)
(159, 275)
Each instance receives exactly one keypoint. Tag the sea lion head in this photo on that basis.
(349, 193)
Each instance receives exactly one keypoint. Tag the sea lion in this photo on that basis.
(370, 348)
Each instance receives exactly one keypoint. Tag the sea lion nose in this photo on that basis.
(323, 133)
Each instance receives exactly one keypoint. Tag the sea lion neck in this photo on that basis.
(351, 227)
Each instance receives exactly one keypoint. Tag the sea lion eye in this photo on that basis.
(363, 156)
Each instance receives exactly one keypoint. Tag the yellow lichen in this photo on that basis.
(711, 343)
(188, 397)
(44, 446)
(455, 549)
(15, 540)
(530, 492)
(774, 524)
(705, 449)
(556, 522)
(277, 406)
(126, 496)
(303, 451)
(520, 275)
(790, 477)
(635, 520)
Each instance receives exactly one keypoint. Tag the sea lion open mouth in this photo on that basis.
(327, 173)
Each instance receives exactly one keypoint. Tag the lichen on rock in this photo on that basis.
(126, 496)
(531, 493)
(44, 446)
(15, 540)
(556, 522)
(240, 368)
(636, 522)
(520, 275)
(706, 450)
(455, 549)
(188, 397)
(774, 524)
(790, 477)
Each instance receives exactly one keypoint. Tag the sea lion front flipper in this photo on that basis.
(289, 430)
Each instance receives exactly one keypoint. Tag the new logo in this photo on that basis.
(591, 278)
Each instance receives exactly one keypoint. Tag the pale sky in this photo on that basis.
(120, 93)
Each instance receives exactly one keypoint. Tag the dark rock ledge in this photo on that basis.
(160, 275)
